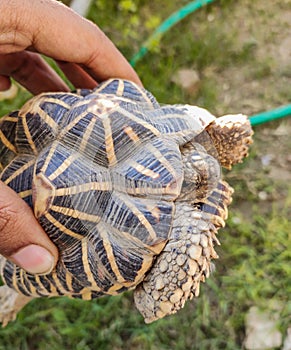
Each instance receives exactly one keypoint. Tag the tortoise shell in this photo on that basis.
(102, 170)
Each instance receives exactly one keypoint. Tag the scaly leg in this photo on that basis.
(201, 173)
(10, 301)
(231, 135)
(186, 258)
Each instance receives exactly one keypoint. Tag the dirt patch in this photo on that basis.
(261, 83)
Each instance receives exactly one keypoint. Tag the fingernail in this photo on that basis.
(34, 259)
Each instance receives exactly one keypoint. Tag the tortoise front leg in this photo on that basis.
(11, 303)
(186, 259)
(179, 269)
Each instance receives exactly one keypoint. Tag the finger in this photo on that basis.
(5, 83)
(77, 76)
(31, 71)
(81, 42)
(22, 240)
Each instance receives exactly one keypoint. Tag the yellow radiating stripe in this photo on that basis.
(33, 290)
(15, 280)
(75, 213)
(131, 134)
(104, 85)
(28, 135)
(90, 186)
(120, 88)
(42, 290)
(2, 263)
(146, 264)
(87, 134)
(21, 282)
(33, 107)
(58, 225)
(120, 91)
(58, 283)
(47, 118)
(174, 115)
(69, 281)
(86, 294)
(86, 265)
(23, 275)
(158, 155)
(19, 171)
(146, 97)
(73, 123)
(109, 145)
(63, 167)
(24, 194)
(9, 118)
(147, 260)
(127, 237)
(49, 156)
(81, 103)
(57, 101)
(137, 120)
(7, 143)
(140, 190)
(113, 290)
(109, 253)
(144, 171)
(140, 217)
(53, 288)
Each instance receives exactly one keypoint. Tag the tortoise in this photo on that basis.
(130, 191)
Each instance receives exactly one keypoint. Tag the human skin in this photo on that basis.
(29, 28)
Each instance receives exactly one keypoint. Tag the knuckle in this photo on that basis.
(9, 227)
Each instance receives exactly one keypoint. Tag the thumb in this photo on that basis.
(22, 240)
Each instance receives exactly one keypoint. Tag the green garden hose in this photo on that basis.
(176, 17)
(273, 114)
(166, 25)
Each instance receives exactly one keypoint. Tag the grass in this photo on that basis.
(254, 266)
(253, 269)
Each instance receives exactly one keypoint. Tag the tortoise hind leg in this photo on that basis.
(11, 303)
(231, 135)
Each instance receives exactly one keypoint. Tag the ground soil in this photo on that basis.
(259, 85)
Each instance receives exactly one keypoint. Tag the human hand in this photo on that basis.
(22, 240)
(84, 53)
(29, 28)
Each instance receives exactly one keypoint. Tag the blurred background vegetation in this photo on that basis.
(241, 53)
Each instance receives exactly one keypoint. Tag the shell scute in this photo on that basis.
(148, 221)
(127, 90)
(180, 122)
(40, 120)
(156, 173)
(8, 148)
